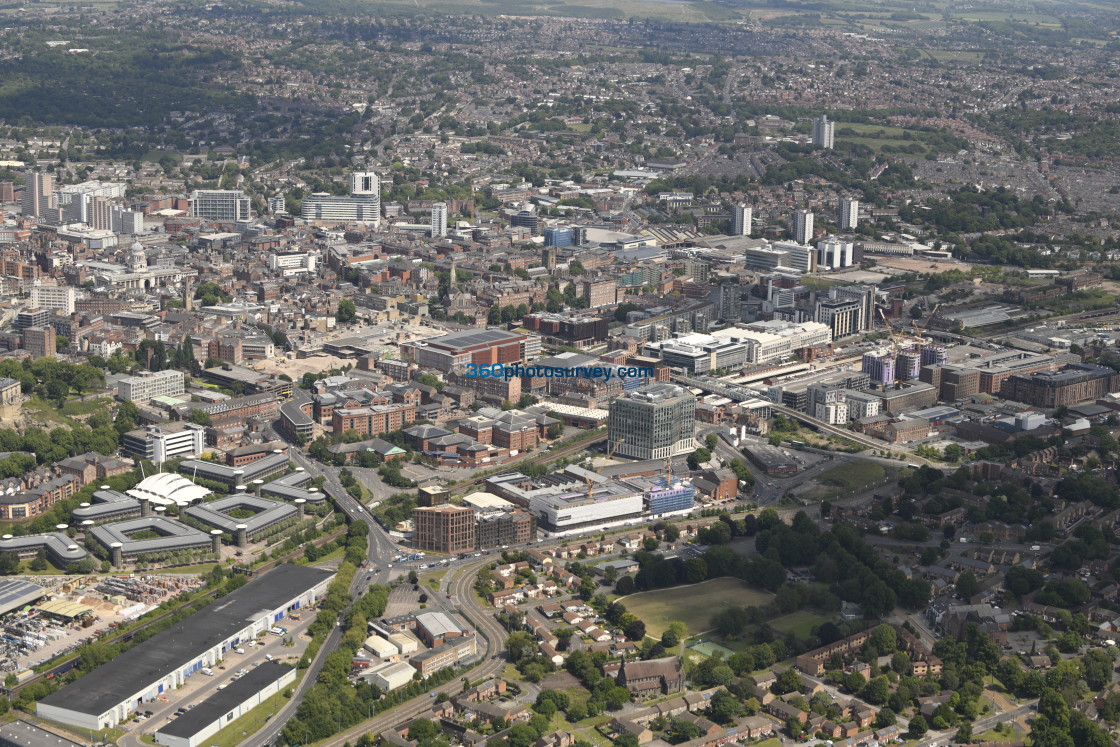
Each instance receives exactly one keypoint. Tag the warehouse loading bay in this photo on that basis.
(266, 647)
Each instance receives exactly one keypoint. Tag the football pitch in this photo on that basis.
(693, 605)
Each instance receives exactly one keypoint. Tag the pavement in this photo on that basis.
(198, 687)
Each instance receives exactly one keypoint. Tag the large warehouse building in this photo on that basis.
(106, 696)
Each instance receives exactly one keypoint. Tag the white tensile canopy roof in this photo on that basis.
(166, 489)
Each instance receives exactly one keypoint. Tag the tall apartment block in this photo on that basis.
(40, 342)
(439, 219)
(38, 194)
(803, 226)
(823, 132)
(849, 213)
(742, 219)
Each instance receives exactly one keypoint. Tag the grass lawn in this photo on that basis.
(693, 605)
(800, 623)
(843, 479)
(186, 569)
(234, 734)
(435, 579)
(771, 742)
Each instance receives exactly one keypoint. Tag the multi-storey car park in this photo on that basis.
(108, 695)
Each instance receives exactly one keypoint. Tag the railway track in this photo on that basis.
(491, 664)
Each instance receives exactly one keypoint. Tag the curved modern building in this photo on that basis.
(174, 536)
(266, 514)
(107, 505)
(61, 550)
(233, 476)
(287, 487)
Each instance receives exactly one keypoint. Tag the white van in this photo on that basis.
(207, 671)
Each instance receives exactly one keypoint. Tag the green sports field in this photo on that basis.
(693, 605)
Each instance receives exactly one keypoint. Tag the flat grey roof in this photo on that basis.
(227, 474)
(470, 337)
(105, 504)
(287, 487)
(57, 544)
(267, 513)
(174, 535)
(224, 701)
(15, 594)
(23, 734)
(136, 669)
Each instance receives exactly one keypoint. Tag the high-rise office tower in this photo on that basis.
(823, 131)
(849, 213)
(803, 226)
(38, 194)
(653, 422)
(741, 219)
(439, 219)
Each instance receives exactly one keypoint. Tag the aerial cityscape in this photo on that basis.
(559, 373)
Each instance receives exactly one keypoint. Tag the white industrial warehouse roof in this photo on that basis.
(167, 488)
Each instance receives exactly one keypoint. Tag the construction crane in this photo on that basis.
(919, 340)
(611, 448)
(890, 332)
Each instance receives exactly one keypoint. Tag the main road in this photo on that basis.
(491, 643)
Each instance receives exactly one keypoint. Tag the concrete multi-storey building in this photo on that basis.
(54, 297)
(439, 220)
(446, 529)
(323, 208)
(41, 342)
(158, 443)
(600, 293)
(841, 317)
(742, 220)
(227, 205)
(149, 385)
(803, 226)
(730, 308)
(834, 254)
(848, 218)
(38, 194)
(824, 132)
(864, 295)
(653, 422)
(293, 263)
(126, 221)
